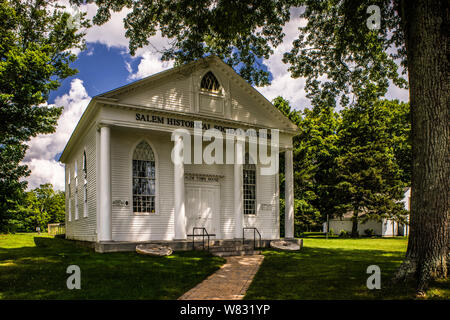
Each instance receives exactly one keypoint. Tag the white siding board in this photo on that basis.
(126, 226)
(84, 228)
(243, 108)
(169, 95)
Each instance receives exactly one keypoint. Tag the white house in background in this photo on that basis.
(384, 228)
(121, 184)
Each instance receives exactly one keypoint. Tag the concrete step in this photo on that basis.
(230, 248)
(225, 247)
(235, 253)
(212, 242)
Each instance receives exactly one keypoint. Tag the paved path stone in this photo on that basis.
(230, 282)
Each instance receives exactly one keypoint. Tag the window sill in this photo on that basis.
(144, 214)
(211, 93)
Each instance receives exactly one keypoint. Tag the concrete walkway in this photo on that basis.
(230, 282)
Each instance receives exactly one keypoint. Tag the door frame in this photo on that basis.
(216, 215)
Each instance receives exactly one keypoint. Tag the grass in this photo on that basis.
(34, 267)
(336, 269)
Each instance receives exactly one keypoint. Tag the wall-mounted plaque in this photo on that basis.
(120, 203)
(266, 206)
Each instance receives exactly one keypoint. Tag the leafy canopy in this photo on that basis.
(35, 55)
(38, 208)
(240, 32)
(335, 44)
(358, 158)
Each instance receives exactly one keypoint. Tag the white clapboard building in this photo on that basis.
(123, 186)
(384, 227)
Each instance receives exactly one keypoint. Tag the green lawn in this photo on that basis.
(34, 267)
(336, 269)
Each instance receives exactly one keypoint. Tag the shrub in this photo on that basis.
(369, 232)
(331, 232)
(344, 234)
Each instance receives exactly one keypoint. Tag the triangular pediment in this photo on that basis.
(192, 89)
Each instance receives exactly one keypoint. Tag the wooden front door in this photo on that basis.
(202, 207)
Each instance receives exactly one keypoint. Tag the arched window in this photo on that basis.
(76, 189)
(249, 172)
(84, 163)
(210, 83)
(69, 194)
(144, 178)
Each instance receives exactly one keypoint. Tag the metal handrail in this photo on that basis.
(254, 236)
(203, 234)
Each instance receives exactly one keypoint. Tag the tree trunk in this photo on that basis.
(355, 233)
(426, 24)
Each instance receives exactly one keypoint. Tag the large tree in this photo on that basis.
(36, 39)
(38, 208)
(315, 152)
(342, 39)
(337, 43)
(368, 174)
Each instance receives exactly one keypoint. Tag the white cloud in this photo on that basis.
(150, 64)
(112, 33)
(43, 149)
(395, 92)
(45, 171)
(289, 88)
(282, 83)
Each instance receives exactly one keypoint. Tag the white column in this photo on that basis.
(289, 196)
(105, 231)
(277, 201)
(238, 188)
(180, 214)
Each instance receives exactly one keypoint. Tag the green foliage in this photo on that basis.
(369, 175)
(344, 234)
(305, 217)
(38, 208)
(336, 43)
(354, 158)
(242, 32)
(369, 232)
(239, 32)
(35, 54)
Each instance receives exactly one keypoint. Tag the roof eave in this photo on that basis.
(89, 109)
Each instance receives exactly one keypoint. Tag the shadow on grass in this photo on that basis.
(39, 272)
(322, 273)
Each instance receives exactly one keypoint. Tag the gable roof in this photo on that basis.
(188, 68)
(109, 97)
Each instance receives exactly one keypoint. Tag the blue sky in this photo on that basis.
(101, 68)
(106, 64)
